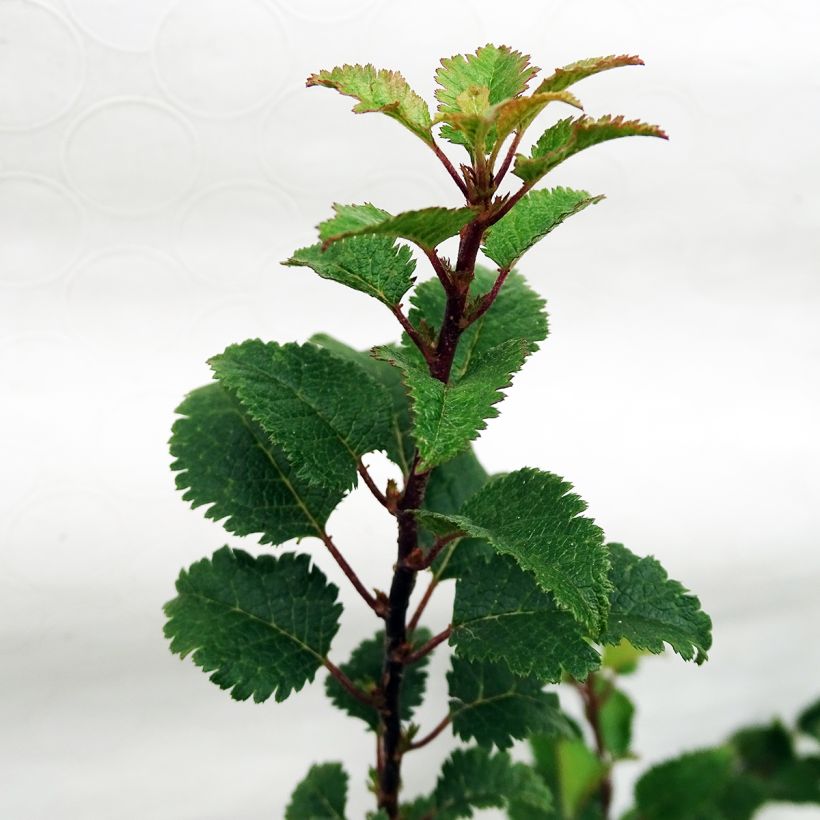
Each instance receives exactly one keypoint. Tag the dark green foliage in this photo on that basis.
(809, 720)
(321, 795)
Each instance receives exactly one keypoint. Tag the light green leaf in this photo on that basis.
(399, 444)
(580, 773)
(615, 717)
(648, 608)
(517, 313)
(372, 264)
(322, 795)
(530, 220)
(517, 114)
(622, 658)
(500, 614)
(379, 90)
(262, 626)
(570, 74)
(533, 517)
(324, 412)
(226, 460)
(474, 778)
(427, 227)
(364, 668)
(447, 417)
(492, 706)
(568, 137)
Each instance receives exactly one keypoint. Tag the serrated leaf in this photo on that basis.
(364, 668)
(649, 609)
(426, 228)
(379, 90)
(322, 794)
(500, 614)
(568, 137)
(324, 412)
(686, 787)
(615, 719)
(622, 658)
(447, 417)
(530, 220)
(474, 778)
(224, 459)
(374, 265)
(809, 720)
(533, 517)
(492, 706)
(570, 74)
(262, 626)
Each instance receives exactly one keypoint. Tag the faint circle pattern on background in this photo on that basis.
(151, 156)
(127, 295)
(122, 24)
(220, 57)
(327, 11)
(42, 65)
(43, 229)
(227, 232)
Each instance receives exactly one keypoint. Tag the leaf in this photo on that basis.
(648, 608)
(684, 788)
(570, 74)
(490, 705)
(622, 658)
(374, 265)
(474, 778)
(517, 313)
(447, 417)
(517, 114)
(399, 444)
(379, 90)
(262, 626)
(530, 220)
(533, 517)
(426, 228)
(322, 795)
(615, 716)
(324, 412)
(809, 720)
(568, 137)
(364, 668)
(226, 460)
(500, 614)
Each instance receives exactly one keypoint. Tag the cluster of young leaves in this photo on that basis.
(275, 442)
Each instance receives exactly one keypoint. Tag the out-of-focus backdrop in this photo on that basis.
(158, 158)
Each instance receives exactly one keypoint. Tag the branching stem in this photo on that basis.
(417, 339)
(371, 485)
(432, 735)
(593, 702)
(489, 298)
(348, 684)
(428, 594)
(450, 169)
(352, 577)
(427, 648)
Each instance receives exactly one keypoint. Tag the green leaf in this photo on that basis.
(568, 137)
(615, 717)
(474, 778)
(226, 460)
(426, 228)
(447, 417)
(364, 668)
(490, 705)
(570, 74)
(379, 90)
(533, 517)
(648, 608)
(687, 787)
(374, 265)
(262, 626)
(530, 220)
(809, 720)
(321, 795)
(517, 114)
(399, 444)
(517, 313)
(324, 412)
(622, 658)
(500, 614)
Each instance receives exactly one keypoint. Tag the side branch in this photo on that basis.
(428, 594)
(488, 298)
(450, 170)
(440, 269)
(508, 159)
(371, 485)
(348, 684)
(440, 727)
(352, 577)
(417, 339)
(427, 648)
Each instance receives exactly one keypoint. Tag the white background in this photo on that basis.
(157, 160)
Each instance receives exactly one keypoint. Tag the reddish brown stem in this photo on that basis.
(507, 159)
(441, 271)
(450, 170)
(488, 298)
(352, 577)
(428, 594)
(440, 727)
(414, 335)
(592, 711)
(371, 485)
(427, 648)
(348, 684)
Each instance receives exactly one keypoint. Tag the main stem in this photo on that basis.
(396, 649)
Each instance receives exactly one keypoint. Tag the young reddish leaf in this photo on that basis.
(570, 74)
